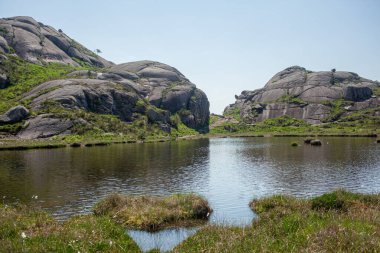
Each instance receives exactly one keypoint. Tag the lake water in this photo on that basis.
(229, 172)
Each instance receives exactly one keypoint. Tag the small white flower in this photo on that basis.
(23, 235)
(111, 243)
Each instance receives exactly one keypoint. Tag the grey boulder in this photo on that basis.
(44, 126)
(14, 115)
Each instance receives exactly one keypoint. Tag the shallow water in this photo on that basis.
(164, 240)
(229, 172)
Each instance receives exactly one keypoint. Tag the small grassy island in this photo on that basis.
(154, 213)
(339, 221)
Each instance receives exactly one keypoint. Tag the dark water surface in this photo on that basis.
(228, 172)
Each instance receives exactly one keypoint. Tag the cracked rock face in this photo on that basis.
(39, 43)
(120, 90)
(307, 93)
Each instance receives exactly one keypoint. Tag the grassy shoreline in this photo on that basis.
(30, 229)
(18, 144)
(338, 221)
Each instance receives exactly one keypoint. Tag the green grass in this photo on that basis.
(234, 113)
(337, 109)
(334, 222)
(213, 118)
(291, 100)
(104, 126)
(276, 125)
(358, 123)
(154, 213)
(42, 233)
(24, 76)
(338, 221)
(11, 128)
(376, 91)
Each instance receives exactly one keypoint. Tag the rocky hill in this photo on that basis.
(39, 43)
(315, 97)
(53, 93)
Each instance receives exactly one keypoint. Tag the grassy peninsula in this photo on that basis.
(339, 221)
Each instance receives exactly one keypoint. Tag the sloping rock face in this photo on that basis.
(127, 90)
(45, 125)
(305, 95)
(39, 43)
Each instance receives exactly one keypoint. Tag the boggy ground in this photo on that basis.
(29, 229)
(335, 222)
(339, 221)
(26, 229)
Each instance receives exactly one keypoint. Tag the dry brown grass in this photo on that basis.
(153, 213)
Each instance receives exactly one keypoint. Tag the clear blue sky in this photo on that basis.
(223, 47)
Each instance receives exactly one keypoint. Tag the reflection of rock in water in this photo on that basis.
(163, 240)
(66, 180)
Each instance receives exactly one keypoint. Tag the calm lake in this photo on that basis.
(229, 172)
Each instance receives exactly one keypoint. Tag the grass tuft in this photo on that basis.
(26, 229)
(339, 221)
(154, 213)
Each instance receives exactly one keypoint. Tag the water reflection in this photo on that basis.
(228, 172)
(164, 240)
(71, 180)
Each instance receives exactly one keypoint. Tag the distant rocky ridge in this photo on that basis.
(39, 43)
(306, 95)
(128, 90)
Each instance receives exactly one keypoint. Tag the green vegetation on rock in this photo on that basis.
(337, 110)
(291, 100)
(24, 76)
(234, 113)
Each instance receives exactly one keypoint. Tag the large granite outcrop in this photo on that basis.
(127, 90)
(304, 94)
(39, 43)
